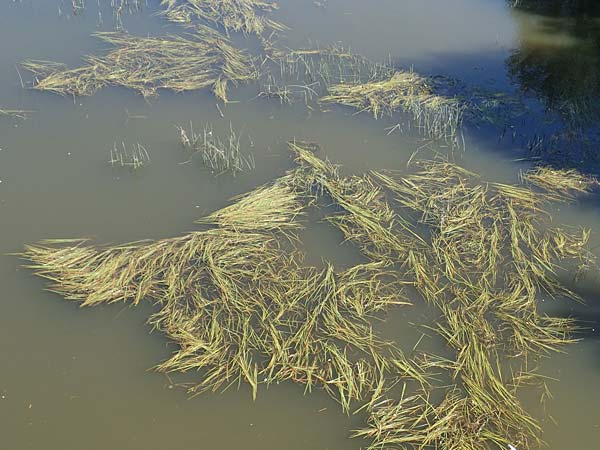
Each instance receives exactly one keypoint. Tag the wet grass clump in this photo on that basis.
(147, 64)
(246, 16)
(564, 183)
(240, 304)
(482, 253)
(406, 91)
(307, 74)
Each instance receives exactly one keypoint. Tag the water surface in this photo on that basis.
(75, 378)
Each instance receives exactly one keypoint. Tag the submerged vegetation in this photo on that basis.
(242, 306)
(437, 106)
(147, 64)
(18, 113)
(134, 158)
(217, 155)
(307, 74)
(119, 8)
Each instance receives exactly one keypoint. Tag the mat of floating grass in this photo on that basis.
(437, 115)
(147, 64)
(239, 303)
(488, 252)
(564, 183)
(308, 73)
(246, 16)
(242, 306)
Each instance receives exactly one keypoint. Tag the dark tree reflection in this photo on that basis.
(558, 61)
(560, 7)
(561, 64)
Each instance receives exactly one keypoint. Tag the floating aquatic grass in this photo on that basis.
(368, 221)
(246, 16)
(307, 74)
(437, 115)
(240, 305)
(217, 155)
(488, 226)
(561, 182)
(488, 253)
(147, 64)
(261, 211)
(492, 253)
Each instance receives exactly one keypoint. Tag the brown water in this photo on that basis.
(79, 379)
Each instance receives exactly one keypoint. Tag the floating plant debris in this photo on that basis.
(369, 221)
(562, 182)
(246, 16)
(307, 74)
(146, 64)
(437, 115)
(238, 302)
(487, 254)
(242, 306)
(217, 155)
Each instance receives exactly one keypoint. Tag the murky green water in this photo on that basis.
(79, 379)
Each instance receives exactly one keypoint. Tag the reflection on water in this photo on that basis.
(558, 62)
(73, 379)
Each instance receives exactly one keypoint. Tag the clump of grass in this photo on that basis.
(307, 74)
(437, 115)
(261, 211)
(239, 304)
(368, 220)
(246, 16)
(561, 182)
(134, 159)
(217, 155)
(483, 254)
(147, 64)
